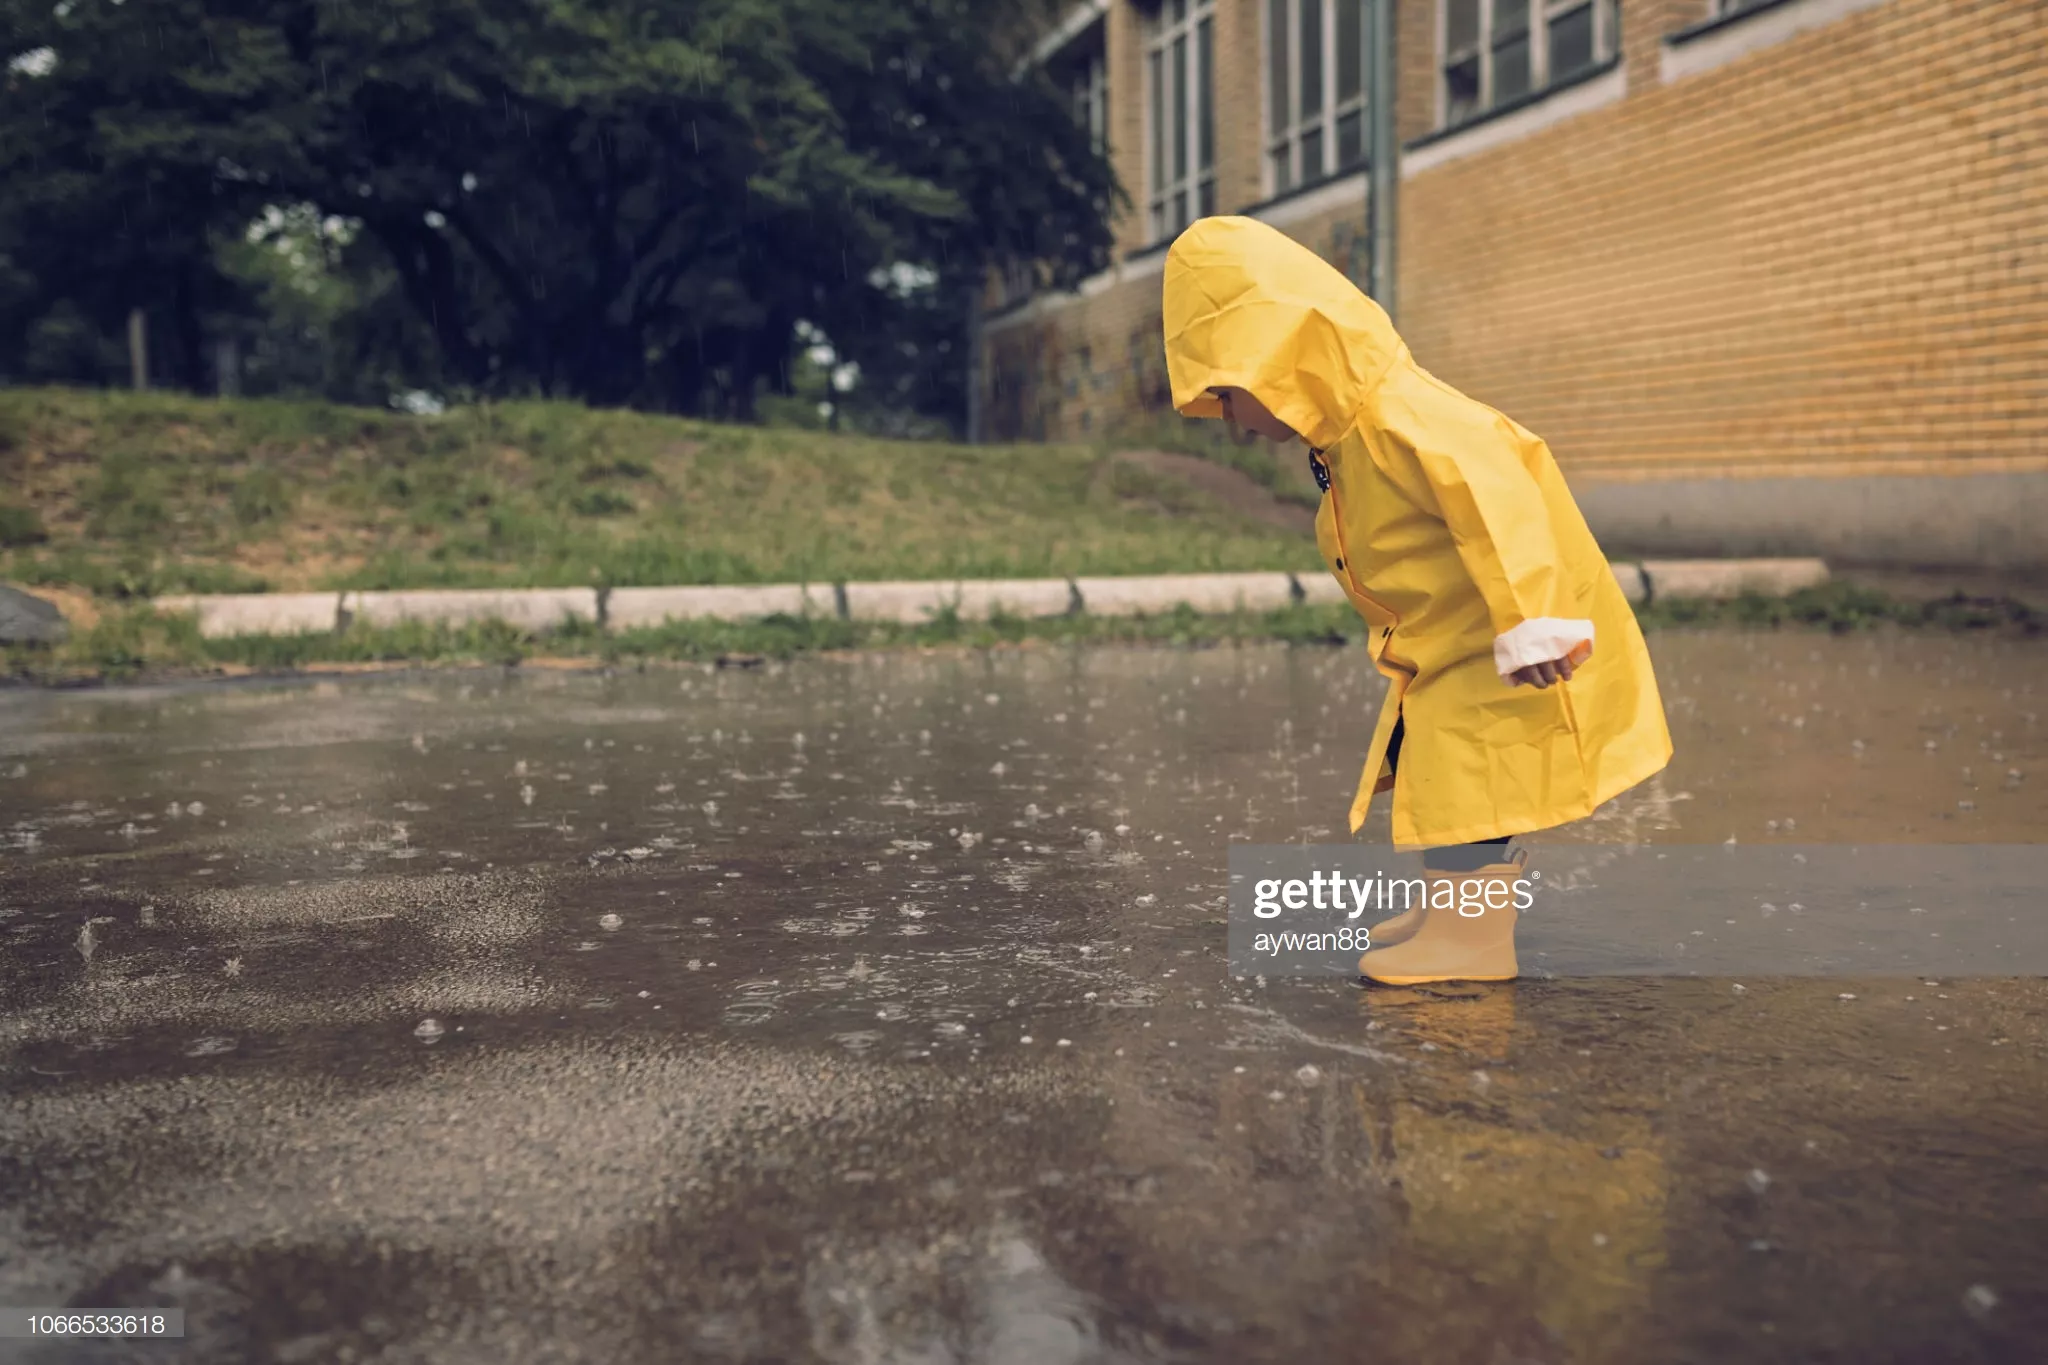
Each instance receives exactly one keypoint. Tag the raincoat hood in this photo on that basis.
(1247, 306)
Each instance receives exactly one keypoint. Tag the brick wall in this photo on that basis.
(1829, 255)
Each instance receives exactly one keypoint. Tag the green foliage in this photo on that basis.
(601, 502)
(20, 526)
(259, 497)
(123, 643)
(129, 575)
(626, 203)
(125, 501)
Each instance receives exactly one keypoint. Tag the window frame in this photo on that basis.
(1542, 14)
(1174, 137)
(1090, 95)
(1288, 140)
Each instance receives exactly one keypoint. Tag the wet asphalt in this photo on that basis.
(874, 1009)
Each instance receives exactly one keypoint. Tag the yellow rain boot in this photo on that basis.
(1398, 929)
(1466, 934)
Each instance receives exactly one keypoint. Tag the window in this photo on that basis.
(1497, 51)
(1315, 90)
(1081, 69)
(1016, 281)
(1089, 86)
(1180, 47)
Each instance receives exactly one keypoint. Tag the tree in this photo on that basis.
(627, 201)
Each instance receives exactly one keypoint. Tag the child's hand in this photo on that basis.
(1544, 674)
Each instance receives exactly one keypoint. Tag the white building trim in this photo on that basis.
(1747, 33)
(1610, 87)
(1343, 191)
(1041, 305)
(1073, 26)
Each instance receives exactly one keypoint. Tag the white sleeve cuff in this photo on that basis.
(1537, 641)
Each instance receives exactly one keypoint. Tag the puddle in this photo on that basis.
(730, 977)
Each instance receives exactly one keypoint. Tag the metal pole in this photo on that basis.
(1385, 174)
(974, 362)
(138, 349)
(227, 368)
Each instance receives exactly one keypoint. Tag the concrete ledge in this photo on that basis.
(905, 602)
(1635, 584)
(1029, 597)
(527, 608)
(259, 613)
(1989, 523)
(1319, 589)
(1732, 578)
(541, 609)
(625, 608)
(1203, 592)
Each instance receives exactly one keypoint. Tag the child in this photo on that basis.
(1453, 534)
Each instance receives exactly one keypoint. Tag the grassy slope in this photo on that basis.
(143, 494)
(140, 494)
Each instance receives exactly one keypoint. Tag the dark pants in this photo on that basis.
(1448, 857)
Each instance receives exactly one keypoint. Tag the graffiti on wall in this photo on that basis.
(1066, 374)
(1149, 389)
(1350, 250)
(1056, 377)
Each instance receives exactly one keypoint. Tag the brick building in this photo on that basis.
(1769, 276)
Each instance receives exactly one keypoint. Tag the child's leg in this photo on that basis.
(1417, 946)
(1465, 857)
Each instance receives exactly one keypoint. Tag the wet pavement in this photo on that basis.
(875, 1010)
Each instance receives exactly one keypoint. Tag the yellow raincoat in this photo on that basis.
(1449, 527)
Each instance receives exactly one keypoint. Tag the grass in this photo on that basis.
(138, 642)
(126, 495)
(1281, 470)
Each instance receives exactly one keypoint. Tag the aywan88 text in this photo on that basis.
(1469, 896)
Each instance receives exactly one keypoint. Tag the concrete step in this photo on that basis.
(540, 609)
(1723, 578)
(526, 608)
(258, 613)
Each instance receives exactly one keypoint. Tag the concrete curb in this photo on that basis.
(1723, 578)
(1204, 592)
(540, 609)
(625, 608)
(527, 608)
(283, 613)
